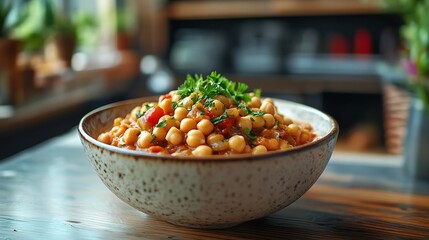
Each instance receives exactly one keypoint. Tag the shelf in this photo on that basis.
(68, 95)
(211, 9)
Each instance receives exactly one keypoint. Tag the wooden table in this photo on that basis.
(52, 192)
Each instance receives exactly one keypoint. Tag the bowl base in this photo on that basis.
(205, 226)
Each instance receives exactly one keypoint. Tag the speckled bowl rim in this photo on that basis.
(333, 133)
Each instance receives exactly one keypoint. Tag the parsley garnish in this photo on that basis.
(257, 92)
(153, 138)
(161, 124)
(139, 115)
(176, 105)
(249, 111)
(202, 111)
(245, 107)
(249, 134)
(147, 106)
(209, 103)
(219, 118)
(214, 84)
(257, 113)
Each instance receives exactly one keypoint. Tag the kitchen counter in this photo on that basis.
(50, 191)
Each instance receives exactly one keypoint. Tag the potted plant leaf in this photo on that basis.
(60, 35)
(9, 49)
(415, 37)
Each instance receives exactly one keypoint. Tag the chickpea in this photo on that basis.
(195, 138)
(169, 122)
(294, 130)
(255, 102)
(175, 97)
(114, 129)
(284, 145)
(258, 122)
(214, 138)
(167, 105)
(242, 112)
(145, 139)
(305, 137)
(105, 138)
(268, 107)
(134, 112)
(272, 144)
(159, 133)
(245, 122)
(259, 149)
(232, 112)
(222, 145)
(131, 135)
(287, 121)
(143, 124)
(237, 143)
(218, 107)
(187, 124)
(205, 126)
(126, 121)
(117, 121)
(180, 113)
(147, 105)
(279, 118)
(202, 150)
(268, 100)
(174, 136)
(225, 100)
(187, 102)
(269, 120)
(120, 131)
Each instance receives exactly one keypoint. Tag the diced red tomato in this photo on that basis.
(211, 114)
(153, 115)
(226, 125)
(155, 149)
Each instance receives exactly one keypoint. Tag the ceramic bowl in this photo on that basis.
(210, 192)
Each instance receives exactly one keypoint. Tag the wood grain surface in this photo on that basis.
(52, 192)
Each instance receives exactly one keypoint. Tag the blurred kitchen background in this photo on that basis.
(60, 59)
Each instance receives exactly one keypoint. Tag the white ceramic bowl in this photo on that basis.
(211, 192)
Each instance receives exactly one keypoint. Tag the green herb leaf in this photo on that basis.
(161, 124)
(176, 105)
(249, 134)
(245, 107)
(258, 113)
(209, 103)
(257, 92)
(153, 138)
(139, 115)
(214, 84)
(220, 118)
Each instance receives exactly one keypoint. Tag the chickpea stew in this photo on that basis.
(208, 116)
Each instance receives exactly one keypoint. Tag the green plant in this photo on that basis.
(45, 21)
(123, 19)
(415, 35)
(9, 21)
(38, 26)
(85, 25)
